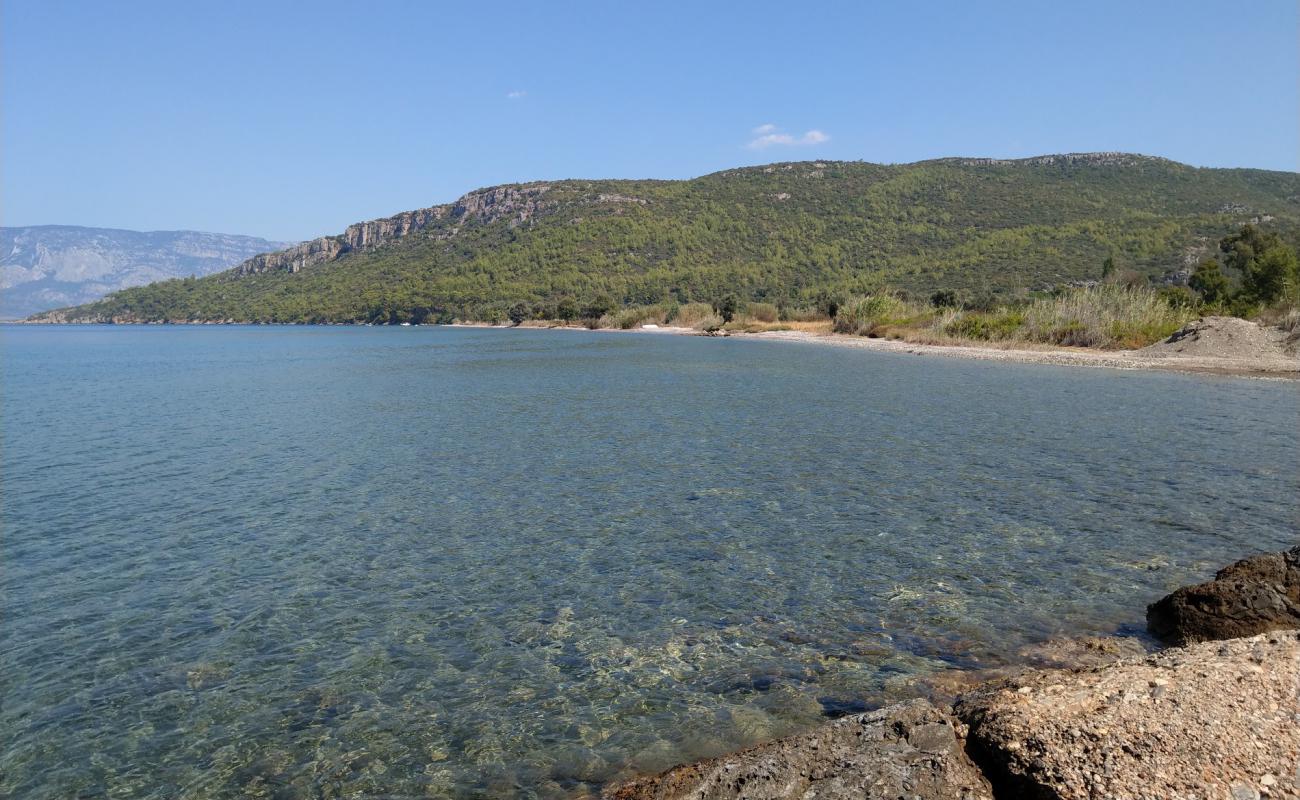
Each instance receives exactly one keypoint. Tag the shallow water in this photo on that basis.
(301, 562)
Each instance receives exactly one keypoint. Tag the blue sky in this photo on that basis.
(293, 119)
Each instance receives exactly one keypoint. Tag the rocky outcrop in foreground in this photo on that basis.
(909, 750)
(1255, 595)
(1213, 719)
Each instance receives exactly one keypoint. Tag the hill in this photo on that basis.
(785, 233)
(48, 266)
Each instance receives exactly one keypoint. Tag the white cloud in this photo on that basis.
(516, 94)
(769, 135)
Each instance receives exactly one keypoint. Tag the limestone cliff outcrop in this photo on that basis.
(514, 203)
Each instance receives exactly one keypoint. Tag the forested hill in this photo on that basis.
(786, 233)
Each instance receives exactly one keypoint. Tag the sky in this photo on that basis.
(291, 120)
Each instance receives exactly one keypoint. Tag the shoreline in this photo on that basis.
(1096, 717)
(1129, 360)
(1053, 356)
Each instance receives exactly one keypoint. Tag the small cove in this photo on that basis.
(427, 561)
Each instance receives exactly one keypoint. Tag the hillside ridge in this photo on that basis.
(492, 202)
(786, 232)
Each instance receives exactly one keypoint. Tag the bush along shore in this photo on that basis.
(1215, 715)
(1120, 311)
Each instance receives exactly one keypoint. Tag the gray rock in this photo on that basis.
(514, 203)
(910, 750)
(1252, 596)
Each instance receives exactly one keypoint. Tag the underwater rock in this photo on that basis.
(1253, 596)
(906, 750)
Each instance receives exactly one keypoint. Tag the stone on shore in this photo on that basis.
(910, 750)
(1210, 720)
(1253, 596)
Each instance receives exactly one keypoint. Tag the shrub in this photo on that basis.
(986, 327)
(726, 308)
(803, 314)
(865, 316)
(945, 298)
(566, 309)
(600, 305)
(1209, 282)
(632, 316)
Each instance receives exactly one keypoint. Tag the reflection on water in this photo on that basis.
(428, 562)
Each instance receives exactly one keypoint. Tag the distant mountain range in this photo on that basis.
(51, 266)
(787, 233)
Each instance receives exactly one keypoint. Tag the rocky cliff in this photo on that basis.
(515, 203)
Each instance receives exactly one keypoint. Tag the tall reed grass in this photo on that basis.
(1107, 316)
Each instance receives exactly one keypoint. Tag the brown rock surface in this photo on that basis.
(1211, 720)
(1059, 653)
(910, 750)
(1252, 596)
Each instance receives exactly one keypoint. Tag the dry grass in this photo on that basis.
(636, 316)
(1108, 316)
(695, 315)
(762, 312)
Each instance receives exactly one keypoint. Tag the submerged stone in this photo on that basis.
(909, 750)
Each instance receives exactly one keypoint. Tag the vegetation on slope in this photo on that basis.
(793, 236)
(1119, 312)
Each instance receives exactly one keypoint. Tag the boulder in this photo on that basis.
(1253, 596)
(910, 750)
(1210, 720)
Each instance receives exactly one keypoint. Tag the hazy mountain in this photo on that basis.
(50, 266)
(784, 233)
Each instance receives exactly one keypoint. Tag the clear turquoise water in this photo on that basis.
(325, 562)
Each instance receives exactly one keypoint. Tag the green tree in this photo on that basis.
(566, 309)
(601, 305)
(1272, 274)
(1108, 267)
(726, 308)
(1210, 283)
(519, 312)
(1268, 267)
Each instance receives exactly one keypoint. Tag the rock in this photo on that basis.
(1255, 595)
(1062, 652)
(906, 750)
(516, 203)
(1216, 719)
